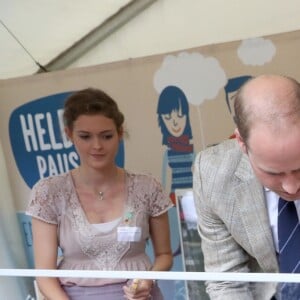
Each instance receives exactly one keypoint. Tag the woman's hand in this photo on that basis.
(138, 289)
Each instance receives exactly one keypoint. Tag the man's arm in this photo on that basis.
(221, 252)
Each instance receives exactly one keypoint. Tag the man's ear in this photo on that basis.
(240, 141)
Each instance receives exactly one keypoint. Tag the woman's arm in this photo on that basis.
(160, 236)
(45, 256)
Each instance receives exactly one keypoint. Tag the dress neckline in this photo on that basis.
(80, 211)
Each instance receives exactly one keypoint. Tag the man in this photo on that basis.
(238, 183)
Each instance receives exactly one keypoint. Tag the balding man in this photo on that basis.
(247, 187)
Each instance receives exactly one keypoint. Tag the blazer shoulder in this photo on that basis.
(222, 165)
(225, 155)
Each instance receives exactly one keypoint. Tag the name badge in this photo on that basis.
(129, 234)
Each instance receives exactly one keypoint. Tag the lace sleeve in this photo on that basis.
(159, 200)
(41, 203)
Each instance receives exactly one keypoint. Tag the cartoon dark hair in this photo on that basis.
(171, 99)
(233, 85)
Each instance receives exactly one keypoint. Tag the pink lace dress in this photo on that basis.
(84, 247)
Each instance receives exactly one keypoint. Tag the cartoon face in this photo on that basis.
(175, 122)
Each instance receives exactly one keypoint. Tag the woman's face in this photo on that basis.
(175, 122)
(96, 140)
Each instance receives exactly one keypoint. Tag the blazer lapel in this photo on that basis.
(251, 205)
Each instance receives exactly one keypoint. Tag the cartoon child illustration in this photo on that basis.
(231, 88)
(174, 122)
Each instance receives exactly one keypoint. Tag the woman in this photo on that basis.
(99, 215)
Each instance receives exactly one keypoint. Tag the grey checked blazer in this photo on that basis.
(233, 222)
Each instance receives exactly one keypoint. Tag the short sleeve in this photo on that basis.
(41, 203)
(160, 202)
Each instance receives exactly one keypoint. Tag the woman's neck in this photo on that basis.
(98, 179)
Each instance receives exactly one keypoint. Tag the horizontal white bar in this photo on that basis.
(196, 276)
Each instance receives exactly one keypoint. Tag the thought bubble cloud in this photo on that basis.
(256, 51)
(199, 77)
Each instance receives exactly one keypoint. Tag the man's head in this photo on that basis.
(267, 111)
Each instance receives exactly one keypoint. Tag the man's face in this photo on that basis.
(275, 159)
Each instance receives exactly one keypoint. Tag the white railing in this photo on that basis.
(197, 276)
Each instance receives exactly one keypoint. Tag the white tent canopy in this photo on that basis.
(58, 34)
(50, 35)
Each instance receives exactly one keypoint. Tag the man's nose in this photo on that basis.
(291, 184)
